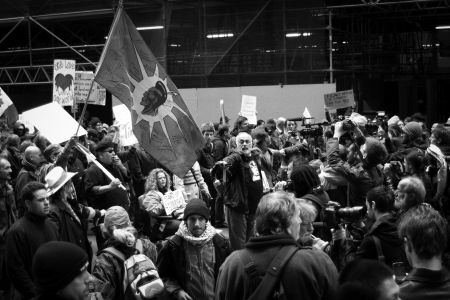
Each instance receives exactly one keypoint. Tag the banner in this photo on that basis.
(123, 121)
(248, 108)
(83, 82)
(340, 99)
(53, 122)
(63, 81)
(161, 120)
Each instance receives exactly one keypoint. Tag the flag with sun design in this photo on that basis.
(161, 120)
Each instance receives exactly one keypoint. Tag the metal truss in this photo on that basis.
(38, 74)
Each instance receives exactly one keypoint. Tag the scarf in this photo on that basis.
(206, 236)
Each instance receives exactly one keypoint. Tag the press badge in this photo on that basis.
(254, 170)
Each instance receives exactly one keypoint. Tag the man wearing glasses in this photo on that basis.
(101, 191)
(25, 237)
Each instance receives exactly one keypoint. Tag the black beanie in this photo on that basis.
(56, 264)
(304, 179)
(198, 207)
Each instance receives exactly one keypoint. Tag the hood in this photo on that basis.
(385, 229)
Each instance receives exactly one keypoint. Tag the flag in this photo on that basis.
(5, 101)
(161, 120)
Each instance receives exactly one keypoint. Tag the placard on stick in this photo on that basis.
(63, 81)
(340, 99)
(248, 108)
(53, 122)
(83, 81)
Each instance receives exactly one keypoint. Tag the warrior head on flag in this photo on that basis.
(161, 120)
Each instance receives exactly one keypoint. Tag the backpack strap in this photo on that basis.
(273, 273)
(114, 252)
(380, 254)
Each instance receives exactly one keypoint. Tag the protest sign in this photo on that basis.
(123, 121)
(248, 108)
(173, 201)
(63, 81)
(83, 81)
(340, 99)
(53, 122)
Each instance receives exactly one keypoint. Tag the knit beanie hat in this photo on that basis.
(358, 119)
(196, 207)
(413, 130)
(116, 216)
(56, 264)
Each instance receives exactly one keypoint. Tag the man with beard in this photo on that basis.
(189, 261)
(243, 188)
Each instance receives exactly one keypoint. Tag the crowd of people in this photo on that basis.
(350, 209)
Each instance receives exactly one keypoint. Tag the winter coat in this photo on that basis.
(424, 284)
(172, 261)
(108, 270)
(360, 177)
(220, 147)
(239, 179)
(309, 275)
(22, 241)
(385, 229)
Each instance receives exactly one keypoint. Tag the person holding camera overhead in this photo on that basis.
(365, 173)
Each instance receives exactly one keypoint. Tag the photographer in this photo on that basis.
(381, 241)
(362, 175)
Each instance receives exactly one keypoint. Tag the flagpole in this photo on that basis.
(108, 41)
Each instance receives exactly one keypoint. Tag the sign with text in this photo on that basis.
(83, 81)
(123, 121)
(248, 108)
(340, 99)
(173, 201)
(63, 81)
(56, 124)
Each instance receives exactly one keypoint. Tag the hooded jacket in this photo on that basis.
(385, 229)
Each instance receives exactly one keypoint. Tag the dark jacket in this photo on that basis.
(15, 159)
(172, 264)
(108, 270)
(95, 177)
(385, 229)
(241, 193)
(424, 284)
(360, 177)
(309, 275)
(140, 163)
(27, 174)
(22, 241)
(69, 228)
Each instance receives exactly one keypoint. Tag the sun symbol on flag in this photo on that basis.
(152, 100)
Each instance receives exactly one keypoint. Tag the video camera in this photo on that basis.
(335, 215)
(311, 130)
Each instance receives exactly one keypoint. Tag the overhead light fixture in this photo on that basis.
(150, 27)
(297, 34)
(293, 34)
(443, 27)
(175, 45)
(220, 35)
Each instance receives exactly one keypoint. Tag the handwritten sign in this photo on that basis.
(248, 108)
(63, 81)
(173, 201)
(123, 121)
(53, 122)
(340, 99)
(83, 81)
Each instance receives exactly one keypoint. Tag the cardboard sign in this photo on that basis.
(63, 81)
(83, 81)
(173, 201)
(248, 108)
(53, 122)
(340, 99)
(123, 121)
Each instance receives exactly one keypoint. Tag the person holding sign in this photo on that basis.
(161, 218)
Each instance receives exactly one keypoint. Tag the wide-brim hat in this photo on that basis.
(56, 179)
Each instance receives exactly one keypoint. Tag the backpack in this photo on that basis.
(140, 275)
(270, 286)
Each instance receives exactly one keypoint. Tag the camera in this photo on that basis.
(348, 125)
(335, 215)
(311, 132)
